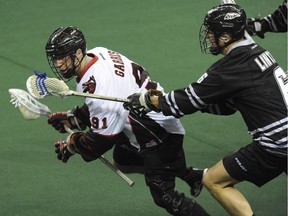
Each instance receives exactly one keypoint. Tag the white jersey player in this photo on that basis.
(154, 142)
(112, 74)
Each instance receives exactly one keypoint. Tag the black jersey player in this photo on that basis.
(247, 79)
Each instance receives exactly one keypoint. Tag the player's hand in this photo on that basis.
(58, 120)
(254, 27)
(134, 105)
(140, 103)
(69, 119)
(65, 149)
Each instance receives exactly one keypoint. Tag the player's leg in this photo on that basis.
(251, 163)
(221, 186)
(126, 160)
(162, 165)
(162, 189)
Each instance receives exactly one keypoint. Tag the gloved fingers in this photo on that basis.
(62, 151)
(66, 155)
(59, 127)
(133, 102)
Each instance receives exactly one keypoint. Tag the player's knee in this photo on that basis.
(207, 181)
(161, 190)
(171, 201)
(164, 195)
(213, 186)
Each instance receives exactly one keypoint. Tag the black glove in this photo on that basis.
(254, 27)
(140, 103)
(65, 149)
(59, 119)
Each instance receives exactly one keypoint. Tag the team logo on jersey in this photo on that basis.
(89, 86)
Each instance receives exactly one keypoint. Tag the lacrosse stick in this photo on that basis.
(39, 86)
(31, 109)
(247, 36)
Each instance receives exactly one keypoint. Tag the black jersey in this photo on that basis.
(247, 79)
(277, 20)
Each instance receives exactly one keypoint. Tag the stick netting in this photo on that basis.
(39, 87)
(28, 106)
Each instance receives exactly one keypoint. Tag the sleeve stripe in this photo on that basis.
(268, 127)
(170, 98)
(193, 97)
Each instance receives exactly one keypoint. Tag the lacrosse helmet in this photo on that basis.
(222, 19)
(64, 42)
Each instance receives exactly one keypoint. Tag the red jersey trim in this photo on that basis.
(95, 59)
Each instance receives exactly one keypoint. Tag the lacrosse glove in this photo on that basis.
(65, 149)
(256, 26)
(140, 103)
(59, 119)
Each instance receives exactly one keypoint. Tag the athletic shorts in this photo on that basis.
(255, 164)
(168, 158)
(122, 155)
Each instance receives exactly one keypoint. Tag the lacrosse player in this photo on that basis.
(247, 79)
(274, 22)
(153, 143)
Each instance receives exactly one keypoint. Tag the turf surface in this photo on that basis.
(160, 35)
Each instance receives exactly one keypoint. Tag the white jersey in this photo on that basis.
(112, 74)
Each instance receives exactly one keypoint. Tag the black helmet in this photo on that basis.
(63, 42)
(227, 18)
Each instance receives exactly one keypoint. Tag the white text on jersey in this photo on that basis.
(264, 61)
(119, 64)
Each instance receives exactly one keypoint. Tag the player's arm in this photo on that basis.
(274, 22)
(277, 21)
(89, 145)
(223, 108)
(180, 102)
(154, 100)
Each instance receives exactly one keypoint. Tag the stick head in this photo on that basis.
(40, 86)
(28, 106)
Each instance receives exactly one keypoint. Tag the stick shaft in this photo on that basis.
(98, 96)
(110, 165)
(117, 171)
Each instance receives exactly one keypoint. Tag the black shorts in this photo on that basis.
(125, 156)
(168, 158)
(255, 164)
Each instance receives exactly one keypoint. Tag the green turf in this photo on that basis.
(162, 35)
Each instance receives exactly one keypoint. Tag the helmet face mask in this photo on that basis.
(63, 68)
(62, 46)
(208, 42)
(223, 19)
